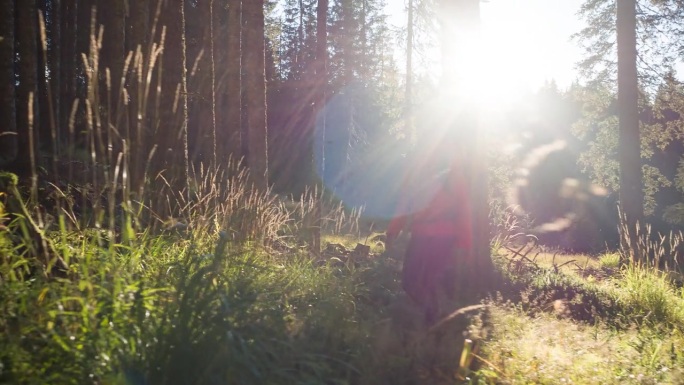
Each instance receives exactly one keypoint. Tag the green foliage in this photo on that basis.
(674, 214)
(651, 295)
(8, 179)
(679, 178)
(201, 308)
(659, 24)
(660, 134)
(609, 260)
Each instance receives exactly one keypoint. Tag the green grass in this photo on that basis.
(556, 326)
(609, 260)
(202, 307)
(652, 295)
(545, 349)
(197, 310)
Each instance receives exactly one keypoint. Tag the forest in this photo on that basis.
(203, 192)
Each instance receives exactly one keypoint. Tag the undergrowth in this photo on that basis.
(193, 303)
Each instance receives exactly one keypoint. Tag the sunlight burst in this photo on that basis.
(522, 45)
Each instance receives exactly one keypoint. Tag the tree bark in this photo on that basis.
(363, 67)
(230, 127)
(83, 28)
(67, 58)
(112, 15)
(212, 58)
(138, 25)
(299, 50)
(47, 130)
(184, 95)
(170, 134)
(27, 39)
(629, 149)
(54, 58)
(318, 122)
(408, 96)
(55, 62)
(199, 81)
(137, 33)
(255, 91)
(347, 42)
(8, 139)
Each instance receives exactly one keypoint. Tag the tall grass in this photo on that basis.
(652, 295)
(167, 281)
(170, 279)
(642, 246)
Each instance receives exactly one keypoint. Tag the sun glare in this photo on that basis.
(526, 43)
(522, 45)
(518, 51)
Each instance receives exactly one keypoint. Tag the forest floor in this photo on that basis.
(555, 319)
(182, 310)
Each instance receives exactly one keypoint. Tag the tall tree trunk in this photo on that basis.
(138, 25)
(184, 93)
(113, 17)
(8, 128)
(230, 126)
(199, 81)
(347, 43)
(136, 40)
(47, 131)
(83, 28)
(255, 90)
(631, 190)
(318, 123)
(364, 42)
(67, 59)
(321, 69)
(460, 24)
(54, 58)
(299, 50)
(408, 96)
(212, 63)
(27, 39)
(170, 134)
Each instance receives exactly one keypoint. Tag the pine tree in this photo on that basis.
(8, 81)
(170, 133)
(66, 91)
(319, 114)
(253, 61)
(230, 123)
(408, 92)
(631, 190)
(660, 26)
(27, 100)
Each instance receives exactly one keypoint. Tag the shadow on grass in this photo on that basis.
(407, 350)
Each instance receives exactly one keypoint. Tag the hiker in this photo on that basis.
(436, 212)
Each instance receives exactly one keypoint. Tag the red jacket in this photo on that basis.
(439, 209)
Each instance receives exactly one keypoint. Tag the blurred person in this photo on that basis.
(435, 209)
